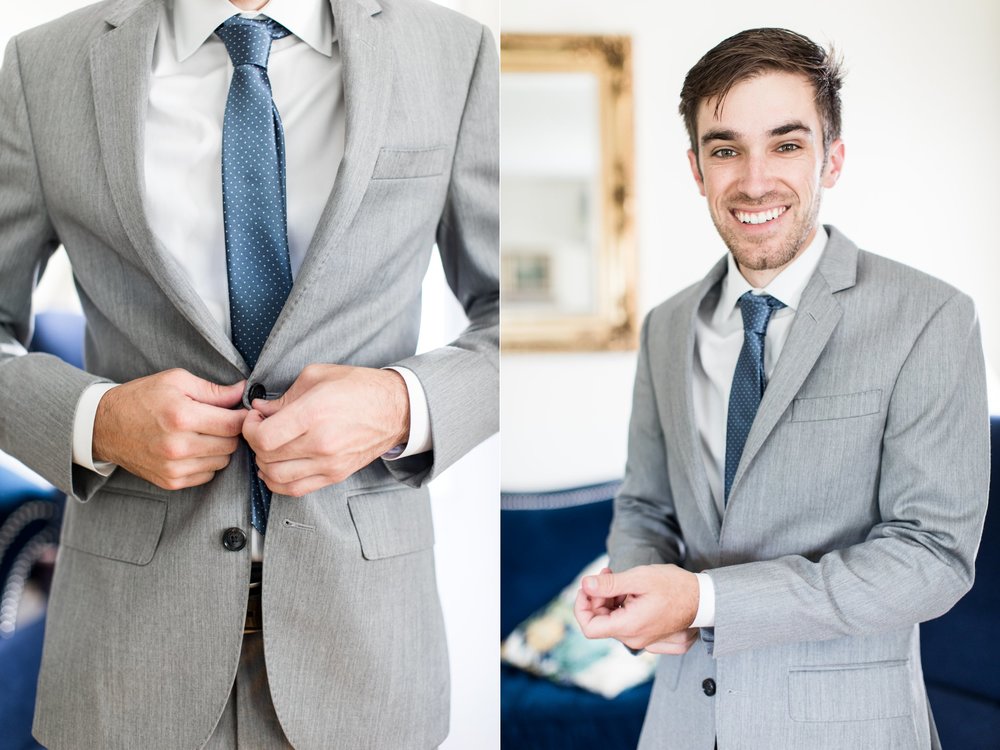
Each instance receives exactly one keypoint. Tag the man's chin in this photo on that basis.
(762, 257)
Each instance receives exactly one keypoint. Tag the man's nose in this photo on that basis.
(756, 178)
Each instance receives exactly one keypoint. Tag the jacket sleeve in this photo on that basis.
(39, 392)
(919, 560)
(644, 530)
(461, 380)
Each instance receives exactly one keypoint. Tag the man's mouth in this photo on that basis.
(759, 217)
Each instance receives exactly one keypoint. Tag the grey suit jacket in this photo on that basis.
(855, 513)
(146, 615)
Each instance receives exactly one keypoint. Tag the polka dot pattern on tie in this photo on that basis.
(253, 187)
(254, 205)
(749, 379)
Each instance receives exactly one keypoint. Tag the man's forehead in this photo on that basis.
(761, 105)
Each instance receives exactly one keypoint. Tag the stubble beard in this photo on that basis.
(769, 252)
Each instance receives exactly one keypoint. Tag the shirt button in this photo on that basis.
(708, 686)
(234, 539)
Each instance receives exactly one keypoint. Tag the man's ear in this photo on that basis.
(834, 164)
(696, 171)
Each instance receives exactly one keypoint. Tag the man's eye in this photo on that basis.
(788, 147)
(724, 153)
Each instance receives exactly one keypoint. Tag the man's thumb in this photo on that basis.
(214, 394)
(605, 584)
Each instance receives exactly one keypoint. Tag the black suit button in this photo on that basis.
(255, 390)
(234, 539)
(708, 685)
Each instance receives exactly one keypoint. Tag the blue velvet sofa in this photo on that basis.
(546, 539)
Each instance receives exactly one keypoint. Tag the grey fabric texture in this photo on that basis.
(248, 720)
(855, 513)
(146, 613)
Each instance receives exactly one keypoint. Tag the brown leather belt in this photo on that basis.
(254, 622)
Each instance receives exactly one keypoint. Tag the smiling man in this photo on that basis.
(808, 453)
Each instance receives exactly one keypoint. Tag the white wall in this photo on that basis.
(921, 117)
(464, 498)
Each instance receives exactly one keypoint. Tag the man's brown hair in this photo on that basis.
(752, 53)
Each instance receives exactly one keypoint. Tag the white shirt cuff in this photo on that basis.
(705, 618)
(83, 429)
(420, 418)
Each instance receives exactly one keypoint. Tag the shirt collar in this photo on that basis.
(194, 21)
(787, 286)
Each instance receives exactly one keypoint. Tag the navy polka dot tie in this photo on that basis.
(749, 379)
(253, 204)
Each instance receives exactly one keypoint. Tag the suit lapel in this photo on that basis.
(368, 73)
(120, 62)
(815, 320)
(681, 405)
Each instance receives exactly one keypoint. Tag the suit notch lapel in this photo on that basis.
(686, 437)
(815, 321)
(121, 64)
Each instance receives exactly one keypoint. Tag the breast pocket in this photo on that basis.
(410, 163)
(392, 521)
(843, 406)
(116, 525)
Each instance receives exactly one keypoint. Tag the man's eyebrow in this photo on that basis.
(719, 135)
(790, 127)
(725, 134)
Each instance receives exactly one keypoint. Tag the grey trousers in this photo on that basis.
(248, 722)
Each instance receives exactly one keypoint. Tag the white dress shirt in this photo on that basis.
(183, 159)
(718, 339)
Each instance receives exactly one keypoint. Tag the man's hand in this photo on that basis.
(172, 428)
(647, 607)
(332, 421)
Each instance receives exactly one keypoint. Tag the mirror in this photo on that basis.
(567, 246)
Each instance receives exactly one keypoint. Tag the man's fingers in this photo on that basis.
(300, 487)
(208, 446)
(210, 420)
(583, 609)
(213, 394)
(291, 470)
(603, 622)
(268, 435)
(191, 480)
(608, 584)
(677, 643)
(268, 408)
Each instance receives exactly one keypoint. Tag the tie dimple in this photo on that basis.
(749, 379)
(254, 204)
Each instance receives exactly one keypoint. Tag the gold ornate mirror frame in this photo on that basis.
(611, 323)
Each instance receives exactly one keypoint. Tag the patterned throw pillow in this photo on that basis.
(550, 644)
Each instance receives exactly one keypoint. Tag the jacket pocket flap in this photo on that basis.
(392, 522)
(406, 163)
(849, 692)
(836, 407)
(118, 526)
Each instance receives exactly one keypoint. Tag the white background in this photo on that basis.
(921, 184)
(464, 499)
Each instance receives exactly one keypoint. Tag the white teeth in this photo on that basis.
(760, 217)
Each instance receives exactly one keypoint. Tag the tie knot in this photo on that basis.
(757, 309)
(248, 40)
